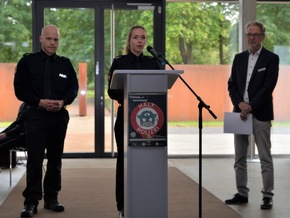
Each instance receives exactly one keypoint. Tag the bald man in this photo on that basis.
(46, 82)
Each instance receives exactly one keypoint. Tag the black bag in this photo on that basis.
(15, 139)
(5, 158)
(15, 132)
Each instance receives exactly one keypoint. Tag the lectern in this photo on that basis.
(145, 140)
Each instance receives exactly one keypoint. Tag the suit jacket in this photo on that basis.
(261, 86)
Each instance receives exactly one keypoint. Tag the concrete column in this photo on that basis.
(247, 13)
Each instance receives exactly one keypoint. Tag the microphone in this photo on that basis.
(155, 55)
(160, 55)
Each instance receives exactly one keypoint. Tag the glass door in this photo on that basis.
(118, 22)
(77, 43)
(93, 32)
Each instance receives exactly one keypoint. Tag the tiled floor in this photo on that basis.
(218, 178)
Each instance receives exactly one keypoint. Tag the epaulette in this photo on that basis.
(63, 57)
(119, 56)
(27, 54)
(150, 57)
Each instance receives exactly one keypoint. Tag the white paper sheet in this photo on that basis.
(234, 124)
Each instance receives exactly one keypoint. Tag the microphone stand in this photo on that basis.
(201, 105)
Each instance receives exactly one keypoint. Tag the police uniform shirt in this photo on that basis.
(129, 62)
(30, 75)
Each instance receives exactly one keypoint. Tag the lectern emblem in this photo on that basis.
(147, 119)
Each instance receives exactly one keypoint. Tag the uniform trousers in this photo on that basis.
(262, 132)
(119, 135)
(45, 131)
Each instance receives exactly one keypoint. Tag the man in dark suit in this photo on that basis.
(253, 78)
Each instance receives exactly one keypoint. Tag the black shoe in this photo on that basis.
(29, 210)
(54, 205)
(121, 213)
(237, 199)
(267, 203)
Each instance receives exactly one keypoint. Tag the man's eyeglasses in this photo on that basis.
(255, 35)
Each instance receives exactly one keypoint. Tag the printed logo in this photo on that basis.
(147, 119)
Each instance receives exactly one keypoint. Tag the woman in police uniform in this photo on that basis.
(134, 59)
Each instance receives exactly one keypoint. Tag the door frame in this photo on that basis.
(38, 7)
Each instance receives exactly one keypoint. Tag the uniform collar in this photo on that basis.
(44, 55)
(133, 57)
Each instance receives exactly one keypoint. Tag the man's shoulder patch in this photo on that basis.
(119, 56)
(28, 54)
(64, 58)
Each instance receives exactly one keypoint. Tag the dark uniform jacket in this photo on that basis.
(29, 78)
(129, 62)
(261, 86)
(15, 132)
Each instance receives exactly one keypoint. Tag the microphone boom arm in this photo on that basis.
(200, 106)
(202, 103)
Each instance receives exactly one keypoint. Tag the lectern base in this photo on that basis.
(146, 190)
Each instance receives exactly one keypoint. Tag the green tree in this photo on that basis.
(199, 31)
(202, 33)
(16, 27)
(275, 18)
(77, 35)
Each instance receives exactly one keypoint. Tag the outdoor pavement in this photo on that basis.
(186, 141)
